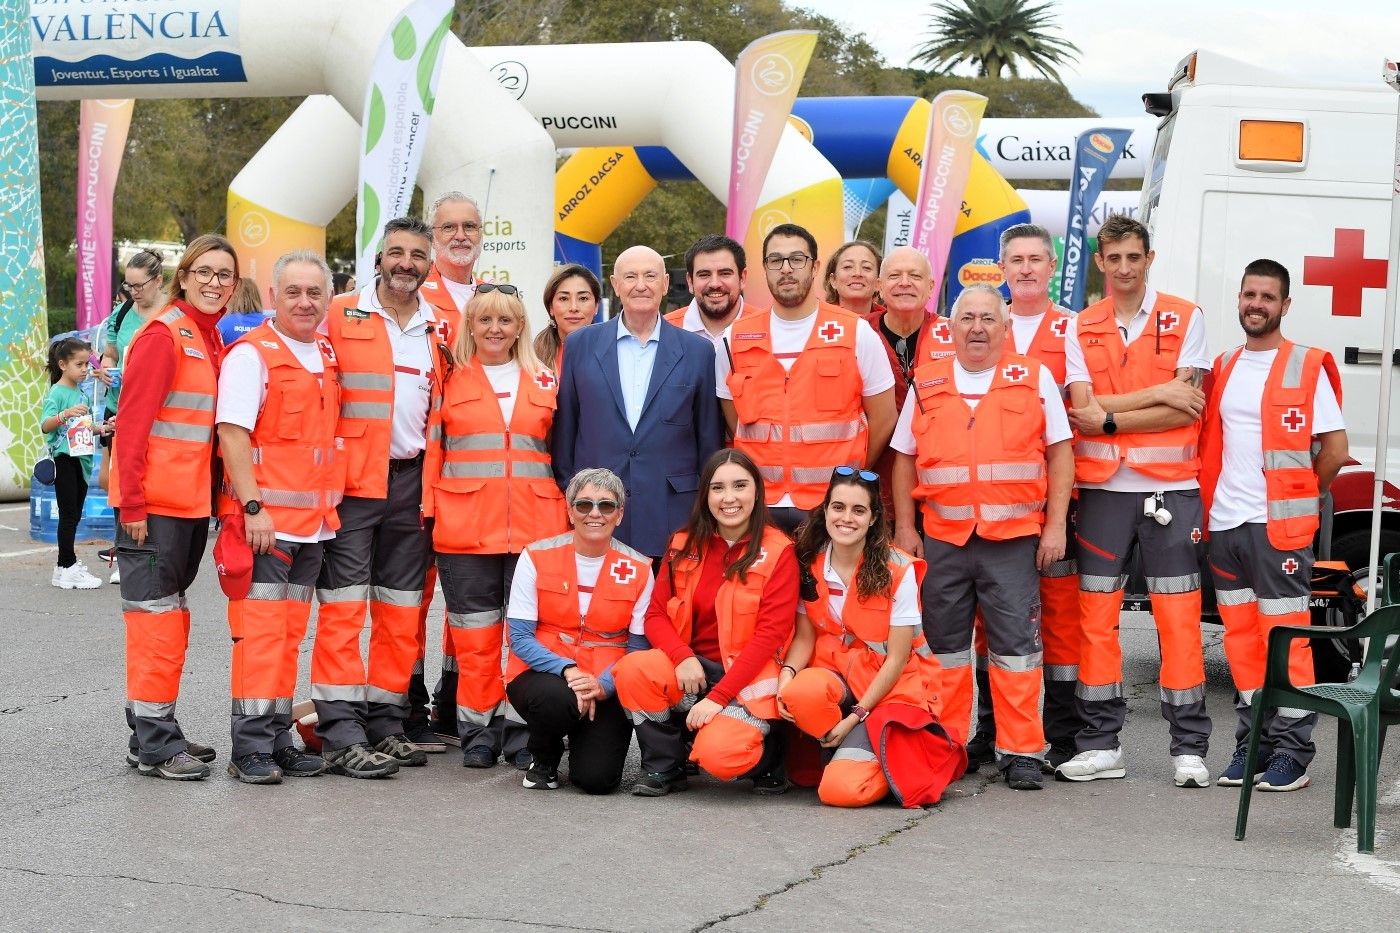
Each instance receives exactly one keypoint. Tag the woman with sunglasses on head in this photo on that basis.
(163, 483)
(858, 650)
(489, 488)
(720, 616)
(571, 299)
(573, 600)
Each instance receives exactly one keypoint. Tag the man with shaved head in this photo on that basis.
(643, 404)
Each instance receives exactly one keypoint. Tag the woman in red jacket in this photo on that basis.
(721, 614)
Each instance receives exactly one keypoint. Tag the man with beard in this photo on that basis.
(456, 222)
(388, 345)
(715, 273)
(1260, 483)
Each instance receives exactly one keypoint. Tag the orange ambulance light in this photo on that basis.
(1271, 141)
(1185, 72)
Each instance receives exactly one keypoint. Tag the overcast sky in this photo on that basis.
(1131, 46)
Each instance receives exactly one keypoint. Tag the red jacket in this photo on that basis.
(918, 757)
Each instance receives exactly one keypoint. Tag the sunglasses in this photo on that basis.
(485, 287)
(605, 507)
(865, 475)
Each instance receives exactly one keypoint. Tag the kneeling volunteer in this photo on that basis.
(573, 599)
(720, 616)
(858, 658)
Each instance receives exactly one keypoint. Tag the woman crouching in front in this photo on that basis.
(859, 651)
(720, 616)
(573, 600)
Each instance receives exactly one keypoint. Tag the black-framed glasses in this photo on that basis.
(204, 275)
(605, 507)
(504, 289)
(864, 475)
(133, 287)
(797, 261)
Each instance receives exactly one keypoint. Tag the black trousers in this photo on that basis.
(70, 489)
(597, 746)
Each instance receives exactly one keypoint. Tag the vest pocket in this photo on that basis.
(741, 386)
(351, 449)
(829, 384)
(291, 407)
(457, 503)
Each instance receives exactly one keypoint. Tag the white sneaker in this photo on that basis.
(76, 577)
(1096, 765)
(116, 576)
(1191, 771)
(57, 576)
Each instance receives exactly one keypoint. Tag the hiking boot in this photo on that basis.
(401, 750)
(1190, 771)
(773, 783)
(1022, 772)
(538, 777)
(1094, 765)
(661, 783)
(1284, 773)
(479, 756)
(179, 767)
(196, 751)
(981, 750)
(422, 737)
(255, 768)
(523, 760)
(360, 761)
(296, 763)
(1233, 776)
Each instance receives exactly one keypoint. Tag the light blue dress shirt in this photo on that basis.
(635, 361)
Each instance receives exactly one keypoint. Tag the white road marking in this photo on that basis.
(15, 508)
(33, 550)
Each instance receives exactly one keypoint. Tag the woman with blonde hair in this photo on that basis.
(489, 488)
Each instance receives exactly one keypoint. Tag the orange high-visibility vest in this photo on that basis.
(489, 486)
(596, 640)
(1285, 422)
(798, 424)
(180, 449)
(676, 316)
(936, 340)
(981, 470)
(294, 463)
(736, 611)
(1048, 345)
(436, 293)
(855, 647)
(1170, 455)
(361, 343)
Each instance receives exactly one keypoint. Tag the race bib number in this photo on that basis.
(80, 440)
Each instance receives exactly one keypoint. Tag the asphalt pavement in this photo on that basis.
(87, 844)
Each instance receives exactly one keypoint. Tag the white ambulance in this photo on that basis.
(1250, 164)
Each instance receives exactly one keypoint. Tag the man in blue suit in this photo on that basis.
(637, 396)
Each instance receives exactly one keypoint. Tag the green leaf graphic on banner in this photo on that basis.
(405, 40)
(374, 120)
(429, 60)
(370, 201)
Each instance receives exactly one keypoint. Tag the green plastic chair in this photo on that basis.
(1363, 709)
(1390, 580)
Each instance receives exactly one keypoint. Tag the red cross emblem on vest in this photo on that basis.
(623, 571)
(1196, 536)
(1169, 320)
(831, 332)
(762, 556)
(1060, 326)
(1014, 373)
(1290, 566)
(545, 379)
(1294, 420)
(941, 333)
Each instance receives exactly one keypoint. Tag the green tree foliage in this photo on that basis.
(996, 36)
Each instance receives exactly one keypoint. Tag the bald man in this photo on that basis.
(643, 406)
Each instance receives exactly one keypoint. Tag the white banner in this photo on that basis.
(398, 106)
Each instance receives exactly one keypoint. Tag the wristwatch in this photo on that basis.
(252, 507)
(860, 711)
(1109, 425)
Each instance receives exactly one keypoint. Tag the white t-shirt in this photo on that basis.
(972, 387)
(1023, 330)
(904, 608)
(525, 605)
(1241, 495)
(461, 292)
(505, 382)
(240, 404)
(1193, 353)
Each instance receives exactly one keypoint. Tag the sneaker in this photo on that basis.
(479, 756)
(360, 761)
(661, 783)
(539, 777)
(523, 760)
(401, 750)
(773, 783)
(1283, 774)
(422, 737)
(981, 750)
(75, 577)
(255, 768)
(1059, 753)
(445, 732)
(202, 753)
(1190, 771)
(1022, 772)
(116, 575)
(1233, 776)
(1095, 765)
(108, 554)
(57, 577)
(180, 767)
(296, 763)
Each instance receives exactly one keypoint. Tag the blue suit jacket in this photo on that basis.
(679, 428)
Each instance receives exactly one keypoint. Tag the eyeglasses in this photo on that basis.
(137, 286)
(452, 229)
(204, 275)
(865, 475)
(485, 287)
(605, 507)
(797, 261)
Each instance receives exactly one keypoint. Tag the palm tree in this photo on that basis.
(995, 35)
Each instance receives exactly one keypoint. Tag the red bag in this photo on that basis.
(233, 557)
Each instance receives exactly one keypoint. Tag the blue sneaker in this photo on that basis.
(1283, 774)
(1233, 776)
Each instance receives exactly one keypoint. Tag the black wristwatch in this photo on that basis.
(1109, 425)
(252, 507)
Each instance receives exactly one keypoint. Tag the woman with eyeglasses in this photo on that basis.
(573, 601)
(489, 488)
(852, 278)
(858, 656)
(571, 299)
(720, 617)
(162, 482)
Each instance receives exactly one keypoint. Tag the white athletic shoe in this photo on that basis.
(57, 577)
(1096, 765)
(1191, 771)
(76, 577)
(116, 576)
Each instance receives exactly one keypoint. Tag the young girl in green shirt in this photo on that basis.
(67, 427)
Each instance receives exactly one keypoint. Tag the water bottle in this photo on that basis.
(1355, 672)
